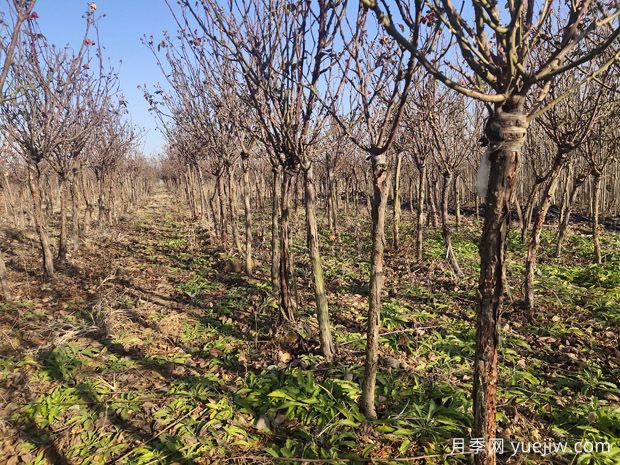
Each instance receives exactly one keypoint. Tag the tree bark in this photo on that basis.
(249, 264)
(75, 222)
(397, 209)
(275, 232)
(445, 225)
(596, 198)
(419, 239)
(62, 240)
(380, 178)
(4, 283)
(506, 133)
(563, 227)
(287, 302)
(537, 227)
(39, 221)
(322, 310)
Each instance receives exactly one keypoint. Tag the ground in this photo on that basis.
(150, 349)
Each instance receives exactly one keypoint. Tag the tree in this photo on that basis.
(502, 72)
(20, 12)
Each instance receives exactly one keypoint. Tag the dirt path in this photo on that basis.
(114, 338)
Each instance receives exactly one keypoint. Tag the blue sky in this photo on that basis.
(125, 23)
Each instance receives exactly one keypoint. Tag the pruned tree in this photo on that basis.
(501, 55)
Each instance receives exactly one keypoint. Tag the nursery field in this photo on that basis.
(150, 348)
(349, 232)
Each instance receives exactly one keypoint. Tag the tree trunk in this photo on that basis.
(445, 225)
(506, 133)
(457, 202)
(380, 177)
(432, 192)
(222, 212)
(419, 239)
(88, 213)
(322, 310)
(75, 222)
(4, 284)
(596, 196)
(249, 265)
(287, 302)
(396, 221)
(275, 232)
(39, 221)
(537, 227)
(563, 227)
(62, 240)
(232, 208)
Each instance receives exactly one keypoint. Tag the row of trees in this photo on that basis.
(65, 136)
(281, 91)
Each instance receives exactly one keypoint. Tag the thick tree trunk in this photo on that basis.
(596, 233)
(445, 225)
(249, 264)
(39, 221)
(420, 207)
(506, 133)
(380, 177)
(397, 209)
(320, 294)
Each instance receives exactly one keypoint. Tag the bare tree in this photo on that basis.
(502, 72)
(19, 12)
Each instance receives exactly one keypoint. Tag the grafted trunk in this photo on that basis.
(249, 264)
(596, 199)
(39, 221)
(445, 225)
(537, 227)
(397, 209)
(380, 178)
(506, 133)
(322, 310)
(419, 239)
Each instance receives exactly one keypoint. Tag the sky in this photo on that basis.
(124, 24)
